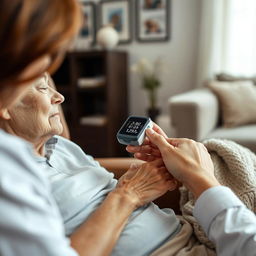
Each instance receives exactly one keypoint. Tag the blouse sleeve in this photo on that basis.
(227, 222)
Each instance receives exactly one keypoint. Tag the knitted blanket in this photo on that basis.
(234, 167)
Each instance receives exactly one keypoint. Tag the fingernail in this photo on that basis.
(150, 131)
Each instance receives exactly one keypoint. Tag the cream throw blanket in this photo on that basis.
(234, 167)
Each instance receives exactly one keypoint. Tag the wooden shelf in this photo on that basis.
(94, 120)
(91, 89)
(91, 82)
(64, 89)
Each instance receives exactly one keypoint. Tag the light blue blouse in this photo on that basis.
(80, 184)
(30, 223)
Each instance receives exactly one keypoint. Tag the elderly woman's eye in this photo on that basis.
(43, 88)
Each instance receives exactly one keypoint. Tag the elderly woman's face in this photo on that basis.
(12, 93)
(37, 114)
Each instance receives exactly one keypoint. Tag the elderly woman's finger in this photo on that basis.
(158, 163)
(145, 157)
(145, 149)
(134, 149)
(134, 166)
(173, 184)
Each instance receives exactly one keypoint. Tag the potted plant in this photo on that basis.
(149, 73)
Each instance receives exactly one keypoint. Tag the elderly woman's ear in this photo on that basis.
(4, 114)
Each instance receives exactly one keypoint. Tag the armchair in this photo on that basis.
(196, 115)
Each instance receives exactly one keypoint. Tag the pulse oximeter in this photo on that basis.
(133, 130)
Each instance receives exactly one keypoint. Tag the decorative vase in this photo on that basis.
(153, 113)
(107, 37)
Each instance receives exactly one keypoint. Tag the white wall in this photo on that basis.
(180, 54)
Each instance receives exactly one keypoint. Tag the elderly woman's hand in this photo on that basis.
(187, 160)
(146, 182)
(147, 151)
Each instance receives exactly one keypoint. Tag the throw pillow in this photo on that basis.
(237, 101)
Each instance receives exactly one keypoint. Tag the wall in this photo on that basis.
(180, 56)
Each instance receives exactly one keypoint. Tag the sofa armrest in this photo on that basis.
(117, 165)
(120, 165)
(194, 114)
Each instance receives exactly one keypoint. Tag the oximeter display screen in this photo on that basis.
(133, 126)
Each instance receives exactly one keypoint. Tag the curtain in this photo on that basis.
(227, 40)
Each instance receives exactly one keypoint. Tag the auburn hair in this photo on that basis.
(30, 29)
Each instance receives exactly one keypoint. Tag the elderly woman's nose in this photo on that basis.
(57, 98)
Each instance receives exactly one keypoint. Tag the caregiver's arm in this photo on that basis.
(227, 222)
(140, 185)
(225, 219)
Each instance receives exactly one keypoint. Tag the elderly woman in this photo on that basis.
(84, 190)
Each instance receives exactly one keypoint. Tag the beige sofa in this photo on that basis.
(196, 115)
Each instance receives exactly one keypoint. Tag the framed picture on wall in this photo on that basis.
(87, 33)
(117, 13)
(153, 20)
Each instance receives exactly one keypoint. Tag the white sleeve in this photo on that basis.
(30, 223)
(227, 222)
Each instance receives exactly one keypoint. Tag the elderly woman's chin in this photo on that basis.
(56, 126)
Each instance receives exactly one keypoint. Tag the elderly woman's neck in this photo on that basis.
(37, 143)
(39, 146)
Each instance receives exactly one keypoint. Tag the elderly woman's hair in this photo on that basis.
(30, 29)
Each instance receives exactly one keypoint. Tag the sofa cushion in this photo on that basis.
(243, 135)
(231, 78)
(237, 102)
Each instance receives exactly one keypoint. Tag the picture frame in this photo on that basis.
(153, 20)
(87, 34)
(118, 14)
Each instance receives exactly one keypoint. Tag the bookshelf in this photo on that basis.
(94, 84)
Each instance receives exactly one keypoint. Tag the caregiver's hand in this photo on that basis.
(146, 182)
(188, 161)
(147, 151)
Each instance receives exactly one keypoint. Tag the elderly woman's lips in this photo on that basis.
(56, 114)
